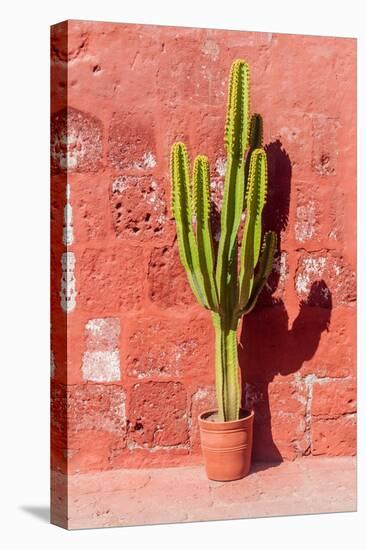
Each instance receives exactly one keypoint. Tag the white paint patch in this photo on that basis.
(70, 150)
(217, 192)
(290, 134)
(101, 366)
(68, 282)
(119, 184)
(201, 393)
(147, 161)
(220, 167)
(101, 362)
(68, 230)
(337, 269)
(305, 222)
(280, 266)
(69, 161)
(325, 293)
(305, 385)
(211, 49)
(102, 334)
(310, 266)
(69, 453)
(133, 445)
(153, 198)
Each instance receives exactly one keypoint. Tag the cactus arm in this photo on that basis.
(202, 210)
(264, 269)
(236, 138)
(237, 117)
(256, 198)
(255, 142)
(182, 213)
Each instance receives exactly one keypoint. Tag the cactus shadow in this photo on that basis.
(268, 346)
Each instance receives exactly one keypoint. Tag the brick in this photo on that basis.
(289, 436)
(279, 437)
(131, 143)
(340, 279)
(90, 407)
(276, 211)
(284, 395)
(279, 276)
(91, 450)
(111, 279)
(88, 426)
(308, 220)
(334, 436)
(101, 360)
(90, 207)
(160, 347)
(191, 64)
(168, 285)
(318, 217)
(102, 334)
(292, 129)
(325, 144)
(157, 415)
(138, 206)
(334, 355)
(76, 141)
(197, 63)
(101, 366)
(280, 409)
(321, 57)
(271, 345)
(332, 398)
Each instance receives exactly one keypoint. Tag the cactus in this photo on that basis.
(229, 284)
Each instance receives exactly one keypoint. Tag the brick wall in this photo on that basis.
(132, 353)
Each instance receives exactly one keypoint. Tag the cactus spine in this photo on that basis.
(229, 284)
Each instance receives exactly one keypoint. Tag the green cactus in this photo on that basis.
(229, 284)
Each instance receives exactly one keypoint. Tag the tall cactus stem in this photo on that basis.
(227, 372)
(182, 211)
(202, 210)
(216, 282)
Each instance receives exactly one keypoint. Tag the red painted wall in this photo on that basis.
(132, 359)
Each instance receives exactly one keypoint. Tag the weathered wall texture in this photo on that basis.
(138, 363)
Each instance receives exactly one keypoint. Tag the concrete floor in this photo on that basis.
(135, 497)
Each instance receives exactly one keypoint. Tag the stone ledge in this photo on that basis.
(310, 485)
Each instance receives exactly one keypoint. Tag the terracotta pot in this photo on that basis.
(226, 446)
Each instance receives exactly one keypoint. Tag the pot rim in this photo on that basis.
(225, 422)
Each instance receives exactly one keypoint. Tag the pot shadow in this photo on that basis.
(268, 346)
